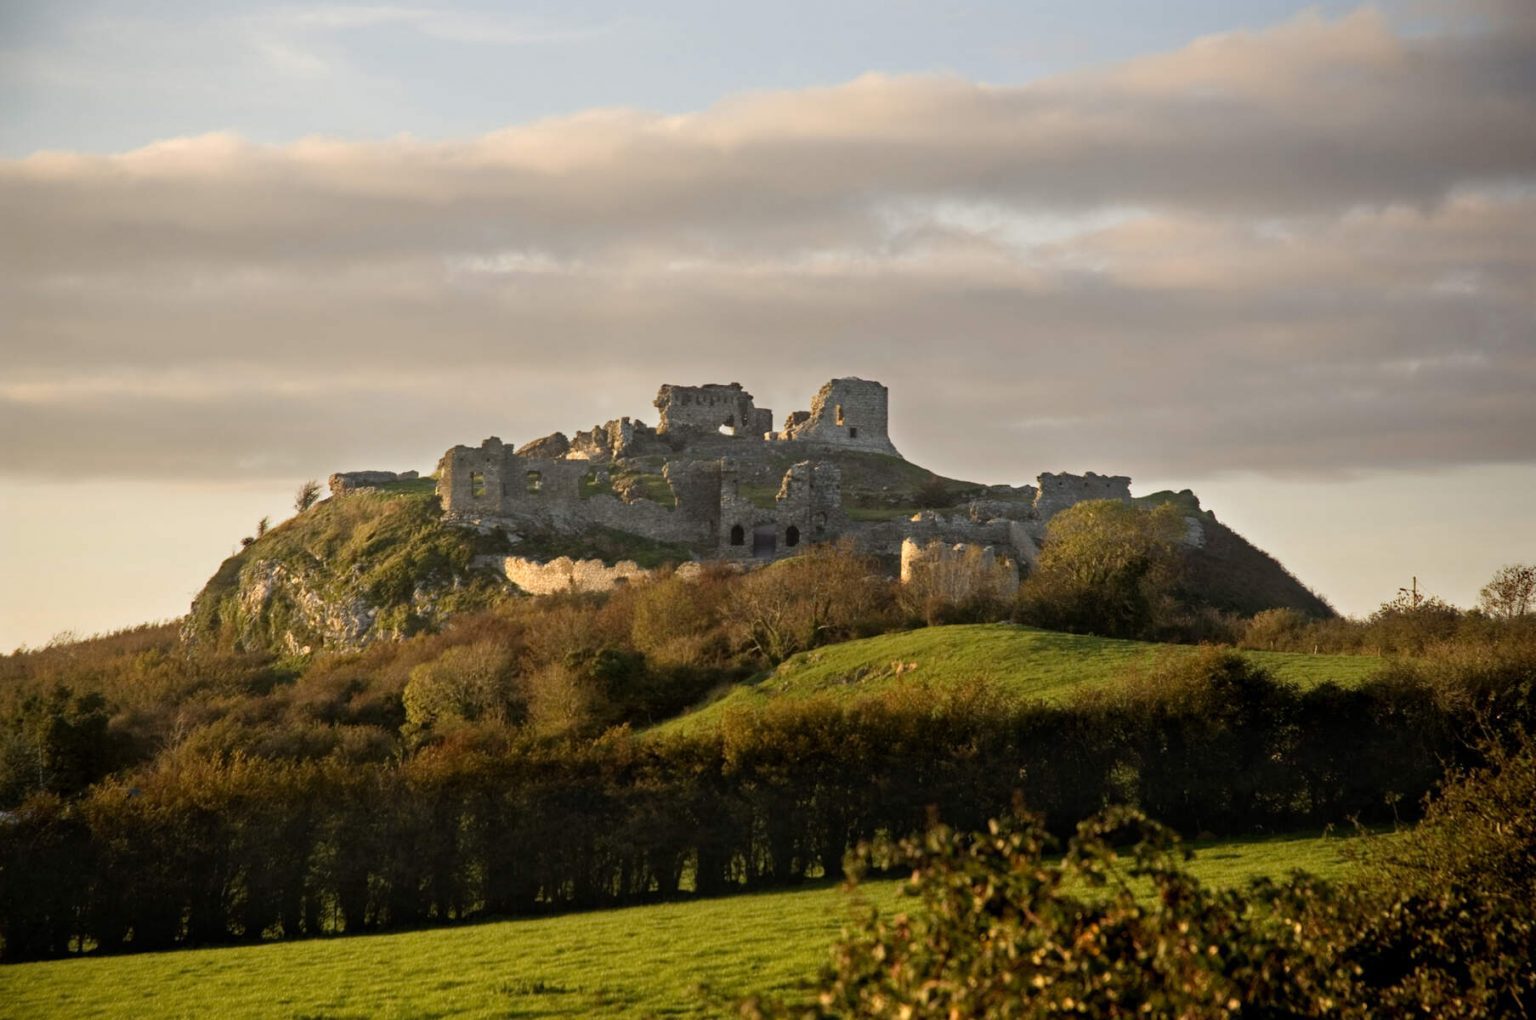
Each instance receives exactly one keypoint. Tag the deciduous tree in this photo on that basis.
(1511, 592)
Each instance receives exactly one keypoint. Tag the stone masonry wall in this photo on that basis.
(958, 571)
(565, 574)
(1057, 492)
(708, 408)
(352, 481)
(850, 412)
(562, 486)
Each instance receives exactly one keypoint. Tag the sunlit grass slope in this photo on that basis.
(1024, 662)
(676, 959)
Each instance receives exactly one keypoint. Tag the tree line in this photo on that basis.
(205, 849)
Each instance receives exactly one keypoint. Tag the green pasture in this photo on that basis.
(1024, 662)
(684, 959)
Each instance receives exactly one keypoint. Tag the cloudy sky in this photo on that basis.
(1283, 255)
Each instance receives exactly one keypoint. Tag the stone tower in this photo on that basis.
(850, 412)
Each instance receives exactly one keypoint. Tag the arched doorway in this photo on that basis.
(765, 540)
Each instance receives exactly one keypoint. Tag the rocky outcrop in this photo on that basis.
(349, 571)
(551, 446)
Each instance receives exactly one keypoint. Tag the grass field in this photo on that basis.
(1025, 662)
(676, 959)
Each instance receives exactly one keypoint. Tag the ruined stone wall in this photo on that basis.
(696, 487)
(493, 480)
(344, 482)
(741, 522)
(642, 517)
(708, 408)
(958, 571)
(806, 510)
(850, 412)
(469, 479)
(810, 501)
(561, 485)
(1057, 492)
(565, 574)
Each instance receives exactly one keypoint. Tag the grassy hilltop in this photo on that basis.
(1024, 662)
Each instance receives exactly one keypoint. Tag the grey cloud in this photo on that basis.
(1309, 249)
(1310, 115)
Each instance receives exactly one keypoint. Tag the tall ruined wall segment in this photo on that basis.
(493, 480)
(850, 412)
(1057, 492)
(710, 408)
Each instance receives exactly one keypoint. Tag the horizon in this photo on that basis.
(1282, 257)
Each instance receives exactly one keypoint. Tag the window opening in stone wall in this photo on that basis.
(791, 536)
(535, 481)
(477, 484)
(853, 432)
(840, 414)
(738, 535)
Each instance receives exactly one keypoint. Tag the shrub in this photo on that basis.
(1107, 567)
(1000, 931)
(1444, 924)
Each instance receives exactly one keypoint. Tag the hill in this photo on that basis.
(391, 554)
(1228, 572)
(672, 959)
(1024, 662)
(375, 563)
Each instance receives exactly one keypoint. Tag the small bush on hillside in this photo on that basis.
(307, 496)
(466, 684)
(830, 593)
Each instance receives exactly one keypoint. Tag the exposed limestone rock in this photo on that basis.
(553, 445)
(620, 438)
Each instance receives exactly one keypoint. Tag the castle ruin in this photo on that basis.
(715, 478)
